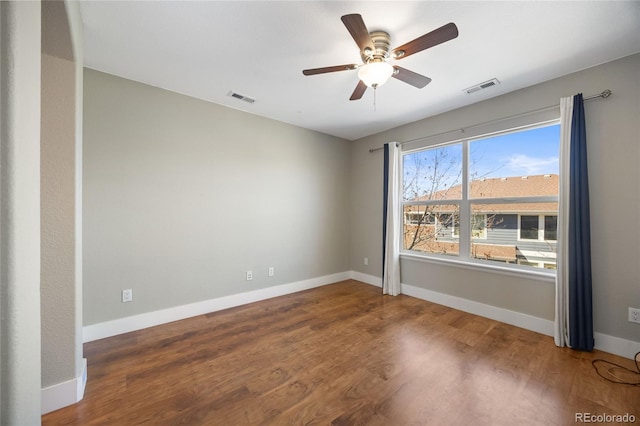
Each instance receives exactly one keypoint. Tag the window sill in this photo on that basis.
(482, 266)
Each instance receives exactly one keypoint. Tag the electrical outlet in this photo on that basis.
(127, 295)
(272, 271)
(634, 315)
(366, 261)
(249, 275)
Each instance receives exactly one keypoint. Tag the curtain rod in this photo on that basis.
(603, 94)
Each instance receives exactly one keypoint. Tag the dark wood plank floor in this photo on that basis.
(341, 354)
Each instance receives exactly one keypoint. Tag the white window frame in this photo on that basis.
(464, 244)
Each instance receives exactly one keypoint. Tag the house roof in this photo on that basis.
(505, 187)
(515, 186)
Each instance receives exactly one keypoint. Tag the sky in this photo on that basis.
(532, 152)
(523, 153)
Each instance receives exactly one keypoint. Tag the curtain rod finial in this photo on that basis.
(606, 93)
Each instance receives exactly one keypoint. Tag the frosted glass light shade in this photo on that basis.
(375, 74)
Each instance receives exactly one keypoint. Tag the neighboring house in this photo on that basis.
(521, 232)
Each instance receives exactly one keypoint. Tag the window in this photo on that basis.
(551, 228)
(539, 227)
(529, 227)
(478, 226)
(419, 216)
(544, 265)
(489, 199)
(431, 187)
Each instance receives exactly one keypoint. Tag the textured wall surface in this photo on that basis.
(20, 213)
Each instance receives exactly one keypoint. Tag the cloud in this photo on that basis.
(525, 165)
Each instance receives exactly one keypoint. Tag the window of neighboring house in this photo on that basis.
(538, 227)
(417, 216)
(484, 198)
(550, 228)
(478, 226)
(545, 265)
(529, 227)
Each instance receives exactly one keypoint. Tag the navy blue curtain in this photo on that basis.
(580, 299)
(385, 195)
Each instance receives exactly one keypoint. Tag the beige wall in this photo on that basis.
(57, 220)
(182, 197)
(614, 173)
(61, 174)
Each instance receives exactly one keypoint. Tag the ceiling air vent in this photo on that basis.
(481, 86)
(241, 97)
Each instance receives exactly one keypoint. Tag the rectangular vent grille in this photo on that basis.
(241, 97)
(481, 86)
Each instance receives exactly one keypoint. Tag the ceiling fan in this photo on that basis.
(374, 51)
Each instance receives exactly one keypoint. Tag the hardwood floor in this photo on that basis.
(341, 354)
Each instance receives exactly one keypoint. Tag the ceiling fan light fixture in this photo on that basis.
(374, 52)
(375, 74)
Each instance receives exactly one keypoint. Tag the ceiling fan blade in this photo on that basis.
(358, 31)
(435, 37)
(360, 89)
(335, 68)
(410, 77)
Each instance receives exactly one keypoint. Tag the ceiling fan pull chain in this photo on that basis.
(374, 97)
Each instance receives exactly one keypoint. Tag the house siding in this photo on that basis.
(503, 233)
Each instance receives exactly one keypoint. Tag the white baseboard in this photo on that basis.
(66, 393)
(367, 279)
(150, 319)
(603, 342)
(507, 316)
(616, 345)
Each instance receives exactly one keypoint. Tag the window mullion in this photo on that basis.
(464, 209)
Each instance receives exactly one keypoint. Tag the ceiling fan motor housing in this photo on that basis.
(381, 42)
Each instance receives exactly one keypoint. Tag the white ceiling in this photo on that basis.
(206, 49)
